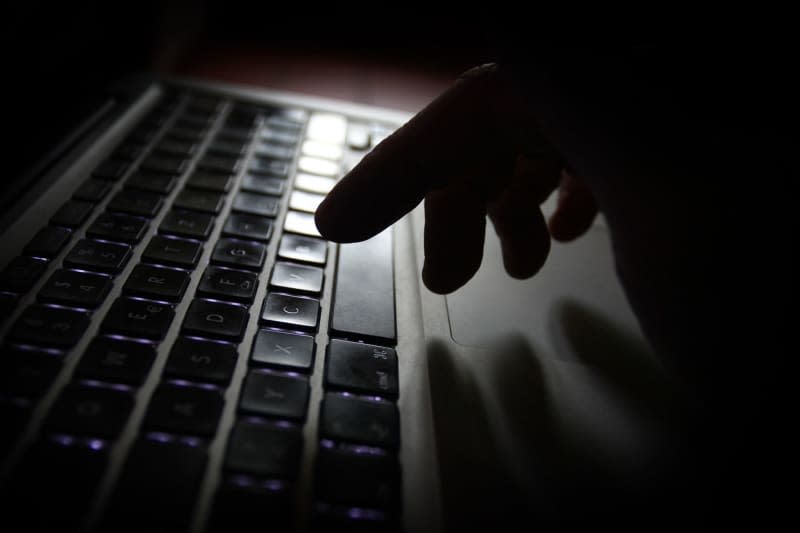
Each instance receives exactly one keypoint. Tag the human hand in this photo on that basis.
(475, 151)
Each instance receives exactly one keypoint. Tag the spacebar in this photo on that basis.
(363, 298)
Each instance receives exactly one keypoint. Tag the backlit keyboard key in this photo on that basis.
(141, 203)
(172, 251)
(184, 410)
(302, 278)
(101, 256)
(201, 360)
(290, 311)
(72, 214)
(256, 204)
(281, 349)
(304, 249)
(274, 395)
(264, 450)
(301, 223)
(139, 318)
(48, 242)
(361, 421)
(50, 326)
(157, 283)
(77, 289)
(187, 224)
(239, 254)
(228, 284)
(116, 361)
(90, 411)
(216, 319)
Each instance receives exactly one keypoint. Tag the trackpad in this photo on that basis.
(576, 275)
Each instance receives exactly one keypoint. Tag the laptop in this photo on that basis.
(181, 351)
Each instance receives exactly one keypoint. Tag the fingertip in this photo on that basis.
(446, 280)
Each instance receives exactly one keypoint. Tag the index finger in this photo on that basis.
(467, 132)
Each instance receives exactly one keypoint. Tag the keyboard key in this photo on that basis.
(241, 254)
(281, 349)
(185, 410)
(27, 373)
(302, 278)
(145, 204)
(263, 184)
(159, 164)
(359, 137)
(274, 150)
(274, 395)
(128, 152)
(363, 301)
(172, 251)
(264, 450)
(228, 284)
(357, 479)
(21, 274)
(72, 214)
(235, 132)
(8, 302)
(177, 148)
(305, 201)
(269, 167)
(48, 242)
(312, 183)
(92, 190)
(142, 135)
(276, 135)
(117, 361)
(353, 520)
(249, 227)
(304, 249)
(185, 134)
(157, 488)
(225, 147)
(92, 411)
(256, 204)
(203, 201)
(210, 181)
(111, 170)
(361, 421)
(52, 488)
(216, 319)
(139, 318)
(290, 311)
(287, 120)
(241, 502)
(78, 289)
(201, 360)
(360, 367)
(193, 121)
(157, 183)
(326, 127)
(243, 115)
(157, 283)
(118, 227)
(50, 326)
(320, 167)
(101, 256)
(301, 223)
(15, 414)
(219, 163)
(324, 150)
(187, 224)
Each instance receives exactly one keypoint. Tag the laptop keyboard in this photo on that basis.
(185, 279)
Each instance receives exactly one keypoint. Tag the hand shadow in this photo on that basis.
(506, 450)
